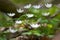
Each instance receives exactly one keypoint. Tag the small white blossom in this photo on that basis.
(12, 30)
(46, 14)
(48, 5)
(37, 6)
(11, 14)
(18, 22)
(29, 15)
(34, 25)
(27, 6)
(20, 10)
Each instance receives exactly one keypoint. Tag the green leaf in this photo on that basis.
(27, 33)
(53, 10)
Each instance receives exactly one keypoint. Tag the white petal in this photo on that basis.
(18, 22)
(48, 5)
(11, 14)
(29, 15)
(27, 6)
(20, 10)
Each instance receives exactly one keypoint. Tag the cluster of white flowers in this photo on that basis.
(46, 14)
(35, 25)
(34, 6)
(18, 21)
(29, 15)
(37, 6)
(11, 14)
(20, 10)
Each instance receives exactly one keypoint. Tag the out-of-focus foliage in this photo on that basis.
(25, 1)
(5, 21)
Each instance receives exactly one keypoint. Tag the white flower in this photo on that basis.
(18, 22)
(37, 6)
(12, 30)
(34, 25)
(11, 14)
(20, 10)
(29, 15)
(46, 14)
(27, 6)
(48, 5)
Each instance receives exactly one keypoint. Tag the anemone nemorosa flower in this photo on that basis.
(20, 10)
(11, 14)
(48, 5)
(27, 6)
(37, 6)
(46, 14)
(35, 25)
(18, 21)
(12, 30)
(29, 15)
